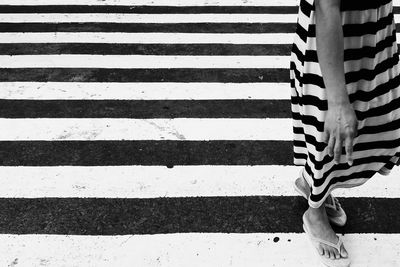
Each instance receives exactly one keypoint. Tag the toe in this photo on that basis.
(343, 252)
(332, 253)
(327, 253)
(337, 255)
(320, 250)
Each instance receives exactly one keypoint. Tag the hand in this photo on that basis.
(340, 125)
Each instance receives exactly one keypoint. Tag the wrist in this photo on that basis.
(338, 97)
(338, 102)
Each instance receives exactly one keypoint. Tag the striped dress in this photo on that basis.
(371, 64)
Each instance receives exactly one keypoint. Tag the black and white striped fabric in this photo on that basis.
(159, 133)
(372, 74)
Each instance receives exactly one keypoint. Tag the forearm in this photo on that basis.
(329, 38)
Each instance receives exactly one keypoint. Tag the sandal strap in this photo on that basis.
(338, 245)
(336, 204)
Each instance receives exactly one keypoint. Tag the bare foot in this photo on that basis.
(319, 227)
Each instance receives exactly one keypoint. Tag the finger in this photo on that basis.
(349, 150)
(356, 128)
(337, 151)
(331, 144)
(349, 142)
(338, 148)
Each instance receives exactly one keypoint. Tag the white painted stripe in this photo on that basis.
(142, 61)
(146, 181)
(179, 181)
(143, 91)
(155, 2)
(191, 249)
(68, 129)
(161, 2)
(145, 18)
(147, 38)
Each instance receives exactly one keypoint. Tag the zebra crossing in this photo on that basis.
(158, 133)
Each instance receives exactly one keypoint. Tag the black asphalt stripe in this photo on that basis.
(146, 152)
(149, 9)
(140, 109)
(144, 49)
(143, 75)
(250, 214)
(151, 27)
(174, 27)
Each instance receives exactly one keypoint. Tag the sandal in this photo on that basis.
(340, 262)
(335, 212)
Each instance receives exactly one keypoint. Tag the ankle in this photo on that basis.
(316, 212)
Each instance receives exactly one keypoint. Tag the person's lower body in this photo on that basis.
(316, 224)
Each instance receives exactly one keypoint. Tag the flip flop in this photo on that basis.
(335, 212)
(341, 262)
